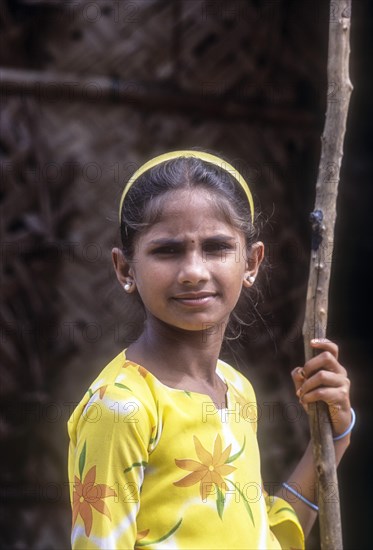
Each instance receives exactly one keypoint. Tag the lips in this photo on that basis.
(194, 295)
(195, 298)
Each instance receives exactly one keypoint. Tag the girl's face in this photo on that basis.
(190, 266)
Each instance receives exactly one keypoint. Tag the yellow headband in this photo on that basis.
(197, 154)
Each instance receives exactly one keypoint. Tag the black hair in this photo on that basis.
(142, 207)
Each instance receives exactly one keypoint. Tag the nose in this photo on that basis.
(193, 269)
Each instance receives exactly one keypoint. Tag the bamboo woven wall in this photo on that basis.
(253, 57)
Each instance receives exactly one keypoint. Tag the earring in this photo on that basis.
(251, 279)
(127, 286)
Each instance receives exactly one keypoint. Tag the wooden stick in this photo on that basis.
(323, 221)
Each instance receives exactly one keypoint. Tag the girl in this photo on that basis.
(163, 450)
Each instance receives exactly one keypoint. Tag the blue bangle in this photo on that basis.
(349, 429)
(301, 497)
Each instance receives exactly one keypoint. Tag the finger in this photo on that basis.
(323, 378)
(324, 360)
(298, 377)
(327, 394)
(338, 395)
(326, 345)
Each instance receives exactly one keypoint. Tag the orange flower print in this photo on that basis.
(88, 495)
(209, 470)
(141, 534)
(141, 370)
(102, 391)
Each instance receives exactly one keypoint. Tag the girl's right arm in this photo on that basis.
(107, 458)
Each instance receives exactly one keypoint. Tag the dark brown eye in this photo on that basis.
(216, 247)
(166, 250)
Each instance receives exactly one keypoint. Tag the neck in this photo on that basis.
(178, 353)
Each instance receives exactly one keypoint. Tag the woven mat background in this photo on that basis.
(65, 170)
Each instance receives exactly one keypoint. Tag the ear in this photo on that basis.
(123, 270)
(253, 261)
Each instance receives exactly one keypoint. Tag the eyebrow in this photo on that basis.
(167, 240)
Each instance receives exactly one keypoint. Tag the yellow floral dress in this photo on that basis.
(156, 467)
